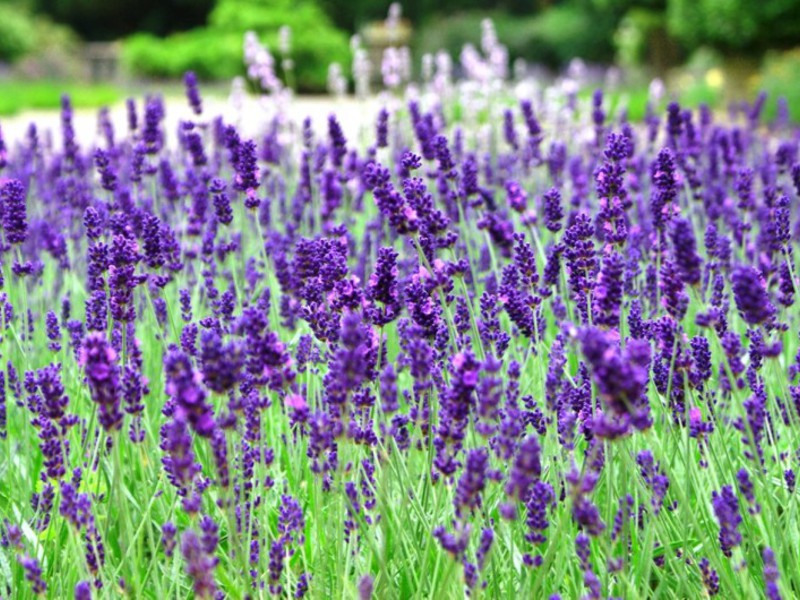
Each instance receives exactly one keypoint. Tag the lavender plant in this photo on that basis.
(552, 355)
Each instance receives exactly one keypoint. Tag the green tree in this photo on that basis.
(755, 25)
(113, 19)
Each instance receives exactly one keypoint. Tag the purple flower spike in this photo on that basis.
(184, 387)
(726, 509)
(771, 575)
(83, 591)
(751, 296)
(33, 574)
(365, 587)
(99, 361)
(621, 376)
(15, 222)
(199, 565)
(192, 92)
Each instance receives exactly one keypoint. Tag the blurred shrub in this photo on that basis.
(745, 27)
(704, 59)
(351, 15)
(573, 30)
(17, 33)
(210, 54)
(452, 32)
(552, 37)
(778, 77)
(37, 46)
(748, 25)
(215, 51)
(642, 38)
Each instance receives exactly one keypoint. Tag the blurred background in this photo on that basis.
(711, 51)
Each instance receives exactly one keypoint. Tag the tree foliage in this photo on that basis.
(750, 25)
(112, 19)
(215, 51)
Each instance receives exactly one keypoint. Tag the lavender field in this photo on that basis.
(499, 347)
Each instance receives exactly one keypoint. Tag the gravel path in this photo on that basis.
(357, 117)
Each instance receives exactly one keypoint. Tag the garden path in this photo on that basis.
(356, 117)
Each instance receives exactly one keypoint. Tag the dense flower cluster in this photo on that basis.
(284, 362)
